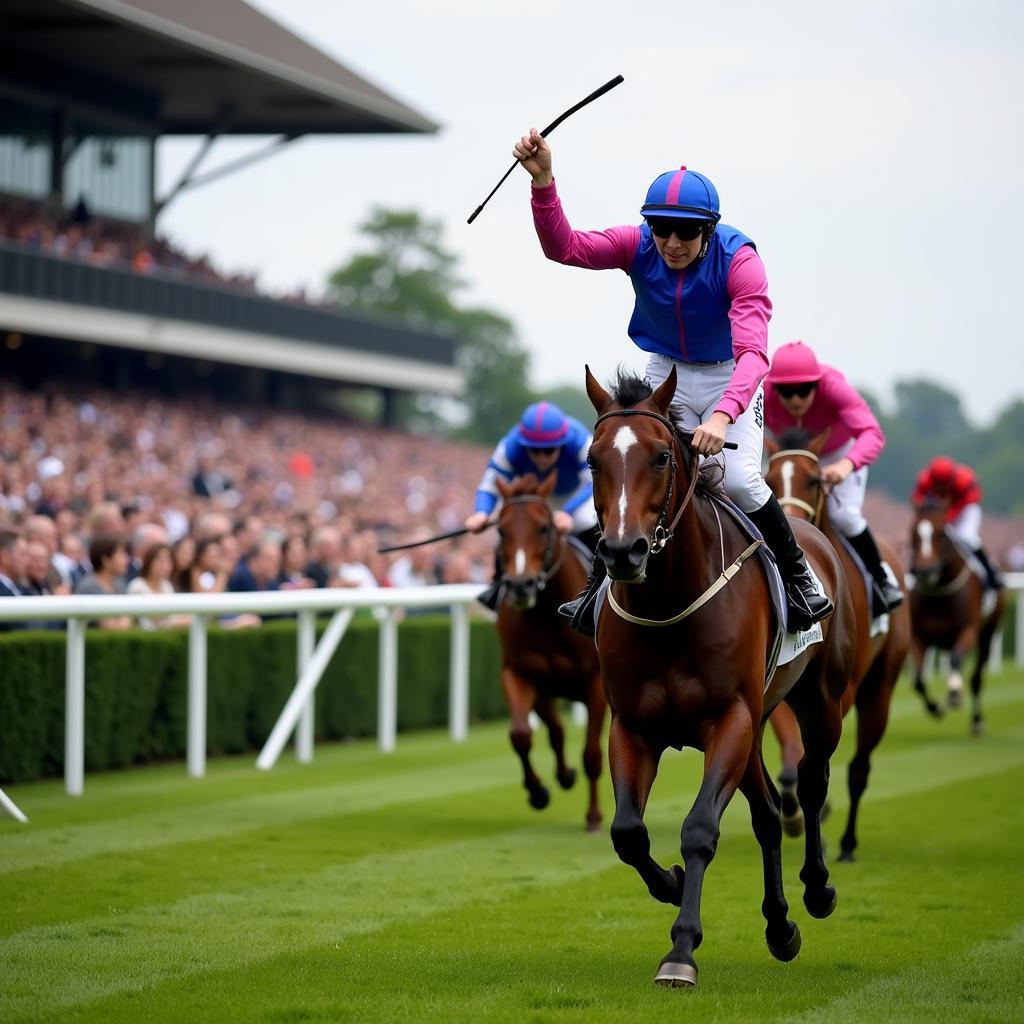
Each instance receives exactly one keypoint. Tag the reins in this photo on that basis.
(814, 511)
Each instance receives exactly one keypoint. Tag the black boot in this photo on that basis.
(580, 610)
(804, 605)
(887, 594)
(995, 579)
(490, 597)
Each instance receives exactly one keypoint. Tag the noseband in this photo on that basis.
(661, 536)
(547, 569)
(814, 511)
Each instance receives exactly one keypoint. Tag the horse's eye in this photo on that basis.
(662, 461)
(544, 530)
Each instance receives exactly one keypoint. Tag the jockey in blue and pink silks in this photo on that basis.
(702, 306)
(544, 441)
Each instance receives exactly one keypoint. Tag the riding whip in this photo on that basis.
(430, 540)
(607, 87)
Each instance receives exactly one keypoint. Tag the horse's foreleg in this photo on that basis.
(548, 714)
(727, 750)
(985, 636)
(781, 933)
(634, 763)
(787, 731)
(963, 645)
(596, 706)
(521, 696)
(917, 653)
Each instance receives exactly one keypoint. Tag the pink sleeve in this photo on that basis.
(611, 249)
(855, 414)
(749, 313)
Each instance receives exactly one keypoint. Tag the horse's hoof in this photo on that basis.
(846, 855)
(977, 727)
(594, 826)
(954, 700)
(789, 949)
(540, 798)
(934, 710)
(568, 780)
(671, 975)
(821, 905)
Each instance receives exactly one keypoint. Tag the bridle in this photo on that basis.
(814, 511)
(550, 565)
(944, 589)
(661, 536)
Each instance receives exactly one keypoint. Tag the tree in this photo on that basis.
(409, 274)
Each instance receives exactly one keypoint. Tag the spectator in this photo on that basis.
(209, 572)
(260, 571)
(293, 564)
(184, 555)
(155, 578)
(325, 549)
(353, 571)
(145, 537)
(109, 558)
(70, 560)
(43, 530)
(12, 567)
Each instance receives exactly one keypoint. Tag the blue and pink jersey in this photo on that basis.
(715, 311)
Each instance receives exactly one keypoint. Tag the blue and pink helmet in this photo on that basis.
(543, 425)
(685, 194)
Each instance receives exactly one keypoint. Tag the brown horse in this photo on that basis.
(543, 659)
(794, 476)
(684, 644)
(946, 610)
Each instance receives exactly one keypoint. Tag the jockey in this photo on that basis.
(702, 306)
(800, 392)
(544, 441)
(949, 482)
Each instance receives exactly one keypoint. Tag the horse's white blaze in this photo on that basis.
(787, 478)
(520, 561)
(924, 532)
(624, 440)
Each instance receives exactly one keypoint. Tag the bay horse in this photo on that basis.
(542, 657)
(946, 610)
(684, 647)
(794, 475)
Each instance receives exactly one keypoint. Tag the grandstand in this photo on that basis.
(87, 87)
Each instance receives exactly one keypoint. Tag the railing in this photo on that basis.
(36, 275)
(311, 657)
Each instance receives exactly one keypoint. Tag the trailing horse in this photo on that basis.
(542, 658)
(947, 610)
(794, 476)
(685, 638)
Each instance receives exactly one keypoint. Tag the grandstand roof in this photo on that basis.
(189, 67)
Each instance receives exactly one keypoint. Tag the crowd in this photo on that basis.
(109, 493)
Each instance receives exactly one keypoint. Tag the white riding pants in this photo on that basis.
(966, 528)
(846, 500)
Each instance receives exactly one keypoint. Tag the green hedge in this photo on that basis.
(136, 690)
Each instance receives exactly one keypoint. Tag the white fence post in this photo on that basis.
(197, 697)
(387, 681)
(458, 682)
(306, 641)
(74, 708)
(12, 808)
(1019, 641)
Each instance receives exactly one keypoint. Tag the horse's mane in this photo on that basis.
(629, 390)
(794, 438)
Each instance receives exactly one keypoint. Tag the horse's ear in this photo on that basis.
(504, 489)
(662, 398)
(771, 446)
(599, 398)
(817, 443)
(546, 486)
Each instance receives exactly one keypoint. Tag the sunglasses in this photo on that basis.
(796, 390)
(543, 452)
(684, 230)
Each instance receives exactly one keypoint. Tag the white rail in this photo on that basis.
(311, 658)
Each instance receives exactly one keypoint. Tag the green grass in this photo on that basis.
(420, 886)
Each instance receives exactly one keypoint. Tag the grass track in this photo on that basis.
(421, 886)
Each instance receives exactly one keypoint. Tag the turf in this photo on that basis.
(420, 886)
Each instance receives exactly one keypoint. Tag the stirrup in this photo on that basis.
(491, 597)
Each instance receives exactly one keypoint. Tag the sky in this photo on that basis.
(872, 151)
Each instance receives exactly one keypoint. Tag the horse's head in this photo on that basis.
(932, 549)
(794, 473)
(526, 536)
(639, 467)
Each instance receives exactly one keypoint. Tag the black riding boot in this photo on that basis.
(580, 610)
(887, 594)
(995, 579)
(490, 597)
(805, 606)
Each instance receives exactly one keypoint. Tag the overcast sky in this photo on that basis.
(872, 151)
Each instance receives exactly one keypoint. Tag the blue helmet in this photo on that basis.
(543, 425)
(685, 194)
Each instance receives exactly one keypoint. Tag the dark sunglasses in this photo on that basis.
(796, 390)
(684, 230)
(543, 452)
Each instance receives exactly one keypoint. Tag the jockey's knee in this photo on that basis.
(850, 522)
(746, 487)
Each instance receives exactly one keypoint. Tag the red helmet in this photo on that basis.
(794, 363)
(942, 469)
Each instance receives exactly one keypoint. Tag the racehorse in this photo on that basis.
(794, 476)
(684, 645)
(543, 659)
(946, 610)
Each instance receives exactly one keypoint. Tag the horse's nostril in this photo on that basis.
(639, 550)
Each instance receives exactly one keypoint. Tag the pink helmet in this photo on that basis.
(794, 363)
